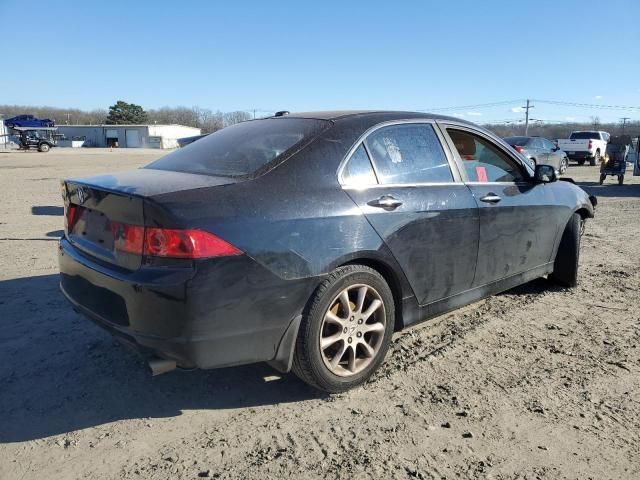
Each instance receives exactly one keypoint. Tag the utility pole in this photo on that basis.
(526, 118)
(624, 122)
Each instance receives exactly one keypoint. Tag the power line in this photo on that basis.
(550, 102)
(478, 105)
(589, 105)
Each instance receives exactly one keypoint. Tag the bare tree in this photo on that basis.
(59, 115)
(208, 120)
(231, 118)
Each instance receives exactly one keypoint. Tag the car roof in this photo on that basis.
(378, 114)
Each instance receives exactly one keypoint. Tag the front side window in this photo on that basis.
(547, 144)
(408, 153)
(483, 161)
(358, 170)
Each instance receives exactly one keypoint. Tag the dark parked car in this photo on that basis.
(540, 150)
(306, 240)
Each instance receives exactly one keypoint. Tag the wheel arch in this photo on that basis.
(393, 280)
(584, 213)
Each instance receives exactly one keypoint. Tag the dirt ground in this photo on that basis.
(537, 383)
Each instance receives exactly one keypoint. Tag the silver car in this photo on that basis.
(541, 151)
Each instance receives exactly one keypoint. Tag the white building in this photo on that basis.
(131, 136)
(4, 135)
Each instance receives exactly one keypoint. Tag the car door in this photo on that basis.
(517, 216)
(553, 157)
(541, 153)
(417, 204)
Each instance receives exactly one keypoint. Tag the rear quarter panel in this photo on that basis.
(295, 220)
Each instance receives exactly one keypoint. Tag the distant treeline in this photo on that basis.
(554, 131)
(204, 118)
(210, 121)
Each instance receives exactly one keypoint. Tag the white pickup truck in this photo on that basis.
(586, 145)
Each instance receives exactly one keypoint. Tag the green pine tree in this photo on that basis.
(123, 113)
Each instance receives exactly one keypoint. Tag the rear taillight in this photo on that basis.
(167, 242)
(164, 242)
(71, 217)
(518, 148)
(590, 144)
(127, 238)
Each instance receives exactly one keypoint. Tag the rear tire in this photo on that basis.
(620, 179)
(593, 161)
(581, 162)
(565, 268)
(346, 362)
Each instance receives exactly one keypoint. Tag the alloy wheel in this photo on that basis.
(564, 163)
(352, 330)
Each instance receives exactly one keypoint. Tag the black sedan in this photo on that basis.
(307, 240)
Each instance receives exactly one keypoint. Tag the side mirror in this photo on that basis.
(545, 174)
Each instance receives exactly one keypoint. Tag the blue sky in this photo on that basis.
(296, 55)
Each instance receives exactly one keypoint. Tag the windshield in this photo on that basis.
(517, 141)
(584, 136)
(242, 149)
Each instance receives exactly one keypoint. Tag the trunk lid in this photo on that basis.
(96, 208)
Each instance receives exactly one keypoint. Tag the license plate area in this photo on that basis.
(94, 227)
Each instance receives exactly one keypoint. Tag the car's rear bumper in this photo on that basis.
(208, 314)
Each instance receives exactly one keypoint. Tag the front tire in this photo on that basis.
(346, 330)
(565, 268)
(44, 147)
(602, 177)
(564, 164)
(620, 179)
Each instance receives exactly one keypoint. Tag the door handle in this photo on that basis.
(386, 201)
(490, 198)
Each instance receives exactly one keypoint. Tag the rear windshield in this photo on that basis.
(242, 149)
(517, 141)
(584, 136)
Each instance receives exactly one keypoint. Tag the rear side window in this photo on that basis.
(242, 149)
(408, 153)
(358, 170)
(537, 143)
